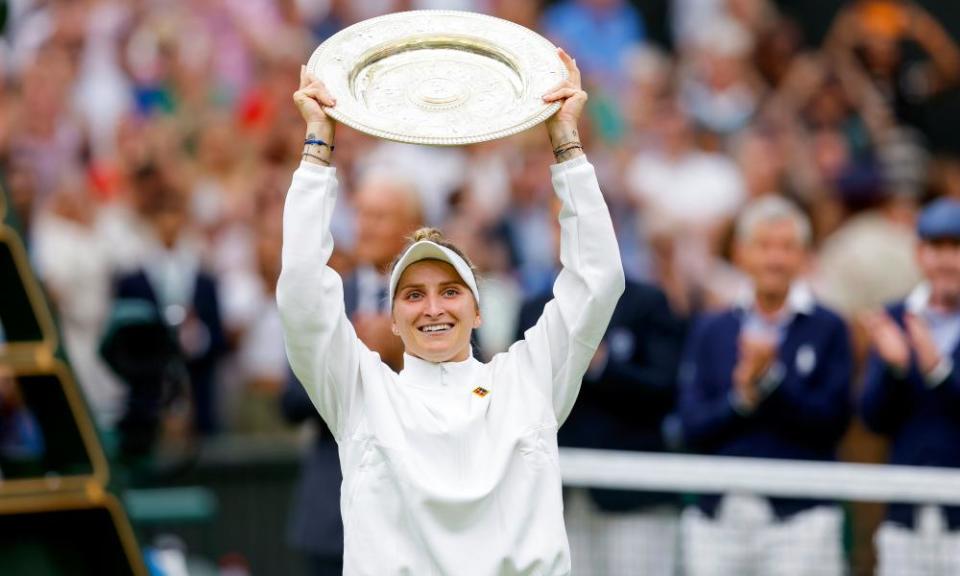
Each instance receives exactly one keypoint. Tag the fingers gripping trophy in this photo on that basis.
(450, 466)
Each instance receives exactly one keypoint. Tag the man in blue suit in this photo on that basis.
(912, 395)
(769, 378)
(181, 298)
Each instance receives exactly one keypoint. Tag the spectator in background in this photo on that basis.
(448, 166)
(869, 260)
(387, 212)
(688, 18)
(624, 402)
(946, 176)
(222, 198)
(719, 87)
(687, 197)
(173, 281)
(912, 394)
(261, 361)
(43, 126)
(650, 74)
(868, 39)
(600, 32)
(75, 263)
(526, 221)
(767, 378)
(101, 94)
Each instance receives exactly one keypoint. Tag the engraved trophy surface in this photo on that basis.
(438, 77)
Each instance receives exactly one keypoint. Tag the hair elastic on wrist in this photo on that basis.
(323, 161)
(574, 142)
(566, 148)
(317, 142)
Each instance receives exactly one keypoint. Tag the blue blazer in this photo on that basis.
(922, 423)
(803, 418)
(206, 307)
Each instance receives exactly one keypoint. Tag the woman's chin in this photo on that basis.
(438, 354)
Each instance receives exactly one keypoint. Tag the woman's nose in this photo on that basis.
(433, 306)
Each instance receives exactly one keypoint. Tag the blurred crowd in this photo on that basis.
(156, 135)
(146, 146)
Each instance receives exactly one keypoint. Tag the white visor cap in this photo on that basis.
(427, 250)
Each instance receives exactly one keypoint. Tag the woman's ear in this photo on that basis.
(477, 321)
(394, 329)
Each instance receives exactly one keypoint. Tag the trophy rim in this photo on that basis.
(322, 57)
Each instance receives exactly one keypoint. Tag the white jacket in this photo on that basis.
(440, 478)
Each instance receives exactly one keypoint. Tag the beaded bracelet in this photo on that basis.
(317, 142)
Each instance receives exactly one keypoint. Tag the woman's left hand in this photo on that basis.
(573, 99)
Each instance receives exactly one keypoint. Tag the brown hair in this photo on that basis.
(435, 236)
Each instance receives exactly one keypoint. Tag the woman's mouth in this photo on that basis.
(435, 328)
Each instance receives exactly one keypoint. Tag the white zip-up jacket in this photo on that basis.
(449, 469)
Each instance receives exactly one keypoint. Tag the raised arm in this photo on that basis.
(322, 346)
(591, 280)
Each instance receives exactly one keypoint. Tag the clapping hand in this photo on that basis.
(928, 355)
(756, 356)
(888, 339)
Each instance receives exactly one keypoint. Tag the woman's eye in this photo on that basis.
(451, 292)
(414, 295)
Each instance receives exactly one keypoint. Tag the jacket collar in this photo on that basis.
(439, 374)
(800, 299)
(918, 299)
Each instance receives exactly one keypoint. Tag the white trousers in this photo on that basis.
(747, 539)
(623, 543)
(928, 550)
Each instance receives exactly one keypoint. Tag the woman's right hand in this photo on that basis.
(312, 98)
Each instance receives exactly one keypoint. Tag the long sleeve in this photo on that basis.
(950, 388)
(705, 410)
(322, 346)
(585, 293)
(884, 402)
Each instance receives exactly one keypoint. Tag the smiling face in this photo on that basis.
(940, 262)
(773, 256)
(434, 312)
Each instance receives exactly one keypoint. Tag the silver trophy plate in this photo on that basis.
(438, 77)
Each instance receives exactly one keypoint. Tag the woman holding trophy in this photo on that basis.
(450, 467)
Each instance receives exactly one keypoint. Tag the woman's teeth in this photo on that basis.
(436, 328)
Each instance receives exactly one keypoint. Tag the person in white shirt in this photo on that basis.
(450, 467)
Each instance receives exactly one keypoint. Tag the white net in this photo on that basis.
(675, 514)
